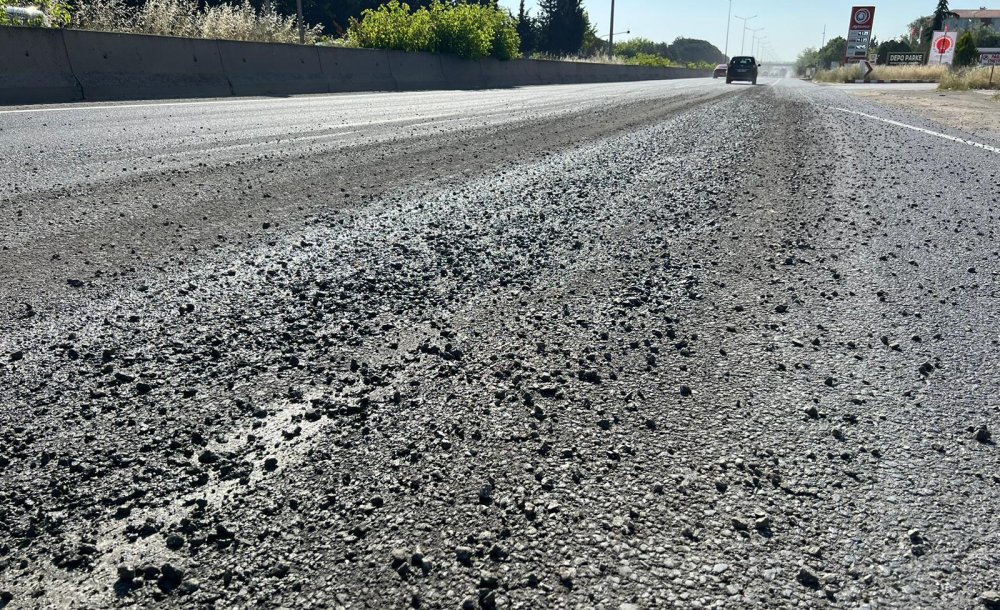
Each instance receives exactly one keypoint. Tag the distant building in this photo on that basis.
(968, 19)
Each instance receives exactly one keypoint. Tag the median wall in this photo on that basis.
(49, 65)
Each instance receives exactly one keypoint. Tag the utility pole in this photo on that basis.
(824, 37)
(729, 22)
(302, 26)
(745, 20)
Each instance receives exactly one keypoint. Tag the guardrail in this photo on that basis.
(41, 65)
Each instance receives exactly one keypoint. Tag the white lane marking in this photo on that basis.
(986, 147)
(149, 105)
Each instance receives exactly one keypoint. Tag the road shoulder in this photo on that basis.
(974, 112)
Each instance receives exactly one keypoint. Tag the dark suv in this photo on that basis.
(742, 68)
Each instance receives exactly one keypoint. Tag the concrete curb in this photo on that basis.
(890, 82)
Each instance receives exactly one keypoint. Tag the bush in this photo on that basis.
(649, 60)
(966, 53)
(184, 18)
(56, 12)
(968, 78)
(466, 30)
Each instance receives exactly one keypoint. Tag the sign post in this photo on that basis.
(859, 36)
(943, 48)
(991, 58)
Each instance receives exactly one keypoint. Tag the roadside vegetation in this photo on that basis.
(852, 72)
(185, 18)
(56, 13)
(470, 31)
(969, 78)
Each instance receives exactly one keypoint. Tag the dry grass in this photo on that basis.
(850, 73)
(969, 78)
(184, 18)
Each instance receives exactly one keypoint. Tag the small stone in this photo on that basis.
(74, 283)
(719, 568)
(740, 525)
(170, 578)
(685, 391)
(812, 412)
(271, 464)
(208, 457)
(488, 581)
(278, 571)
(464, 555)
(486, 495)
(398, 557)
(16, 356)
(990, 599)
(983, 434)
(566, 577)
(808, 578)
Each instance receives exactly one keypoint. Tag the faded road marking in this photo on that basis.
(992, 149)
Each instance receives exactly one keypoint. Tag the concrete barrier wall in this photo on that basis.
(417, 71)
(257, 68)
(116, 66)
(48, 65)
(356, 69)
(34, 67)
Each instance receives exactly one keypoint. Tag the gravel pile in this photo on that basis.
(688, 365)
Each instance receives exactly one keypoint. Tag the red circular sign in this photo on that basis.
(862, 16)
(943, 45)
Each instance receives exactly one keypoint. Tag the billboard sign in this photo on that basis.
(859, 36)
(906, 59)
(943, 47)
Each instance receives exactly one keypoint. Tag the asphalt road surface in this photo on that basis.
(652, 345)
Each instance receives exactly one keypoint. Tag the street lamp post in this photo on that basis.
(753, 38)
(611, 32)
(302, 25)
(745, 20)
(729, 22)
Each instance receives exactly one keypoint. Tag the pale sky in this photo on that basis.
(789, 25)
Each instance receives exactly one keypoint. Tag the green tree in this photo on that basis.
(966, 53)
(892, 46)
(917, 32)
(941, 14)
(527, 29)
(832, 52)
(809, 58)
(593, 44)
(694, 51)
(563, 26)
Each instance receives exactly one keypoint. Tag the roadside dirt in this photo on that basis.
(974, 112)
